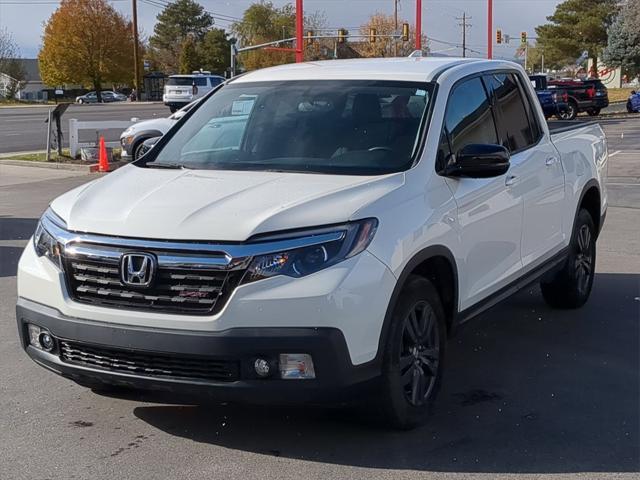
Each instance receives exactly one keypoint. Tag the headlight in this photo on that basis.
(46, 245)
(299, 262)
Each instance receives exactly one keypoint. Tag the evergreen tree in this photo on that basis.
(178, 21)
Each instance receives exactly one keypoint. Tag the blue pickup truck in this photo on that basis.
(553, 103)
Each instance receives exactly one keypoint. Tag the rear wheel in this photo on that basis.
(594, 112)
(413, 356)
(173, 109)
(629, 107)
(570, 113)
(571, 286)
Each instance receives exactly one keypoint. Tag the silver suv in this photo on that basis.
(183, 89)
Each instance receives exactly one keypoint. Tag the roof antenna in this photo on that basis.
(415, 54)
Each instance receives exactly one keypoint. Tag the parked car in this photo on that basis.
(315, 234)
(183, 89)
(633, 104)
(589, 96)
(108, 96)
(552, 103)
(133, 138)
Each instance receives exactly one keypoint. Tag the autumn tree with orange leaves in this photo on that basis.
(86, 42)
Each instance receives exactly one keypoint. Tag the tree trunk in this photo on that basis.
(97, 86)
(594, 60)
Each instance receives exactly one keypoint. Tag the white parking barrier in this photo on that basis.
(75, 126)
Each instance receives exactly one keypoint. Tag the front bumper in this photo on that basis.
(337, 379)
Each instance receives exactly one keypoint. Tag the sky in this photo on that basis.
(24, 19)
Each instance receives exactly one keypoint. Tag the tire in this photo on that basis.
(413, 356)
(136, 151)
(570, 113)
(630, 107)
(81, 101)
(173, 109)
(594, 112)
(570, 288)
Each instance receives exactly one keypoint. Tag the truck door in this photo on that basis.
(489, 212)
(535, 164)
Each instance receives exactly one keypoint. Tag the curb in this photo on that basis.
(88, 168)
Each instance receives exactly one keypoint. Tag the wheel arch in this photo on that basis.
(437, 264)
(143, 136)
(590, 200)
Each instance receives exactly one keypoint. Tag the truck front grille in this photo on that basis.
(149, 364)
(191, 291)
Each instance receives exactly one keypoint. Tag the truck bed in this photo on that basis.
(559, 126)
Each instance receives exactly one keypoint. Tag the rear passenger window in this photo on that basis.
(516, 132)
(469, 118)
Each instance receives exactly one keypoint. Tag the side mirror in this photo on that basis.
(479, 161)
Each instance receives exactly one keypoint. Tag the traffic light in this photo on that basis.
(405, 32)
(373, 33)
(342, 35)
(523, 37)
(499, 37)
(310, 38)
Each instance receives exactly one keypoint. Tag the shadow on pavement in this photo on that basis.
(527, 390)
(17, 228)
(13, 229)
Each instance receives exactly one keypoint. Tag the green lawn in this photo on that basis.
(65, 158)
(619, 94)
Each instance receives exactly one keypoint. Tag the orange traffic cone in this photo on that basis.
(103, 161)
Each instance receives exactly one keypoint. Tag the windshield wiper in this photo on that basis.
(174, 166)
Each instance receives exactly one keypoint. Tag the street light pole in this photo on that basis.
(418, 24)
(299, 32)
(136, 65)
(489, 29)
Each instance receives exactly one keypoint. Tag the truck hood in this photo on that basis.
(215, 205)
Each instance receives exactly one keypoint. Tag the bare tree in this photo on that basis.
(10, 66)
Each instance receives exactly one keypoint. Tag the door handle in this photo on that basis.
(511, 180)
(551, 161)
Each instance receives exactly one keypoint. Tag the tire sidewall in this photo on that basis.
(398, 410)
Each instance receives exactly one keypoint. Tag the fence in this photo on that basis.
(75, 126)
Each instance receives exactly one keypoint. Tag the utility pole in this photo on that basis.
(136, 62)
(464, 26)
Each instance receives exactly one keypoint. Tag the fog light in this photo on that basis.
(40, 338)
(296, 366)
(262, 367)
(34, 335)
(46, 340)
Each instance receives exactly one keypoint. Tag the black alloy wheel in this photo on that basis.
(419, 354)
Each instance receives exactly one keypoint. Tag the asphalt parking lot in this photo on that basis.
(528, 391)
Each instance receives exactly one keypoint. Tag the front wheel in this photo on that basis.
(413, 356)
(571, 286)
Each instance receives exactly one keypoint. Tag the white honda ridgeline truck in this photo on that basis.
(315, 232)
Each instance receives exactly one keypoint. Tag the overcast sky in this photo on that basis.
(25, 18)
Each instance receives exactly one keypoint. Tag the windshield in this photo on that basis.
(340, 127)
